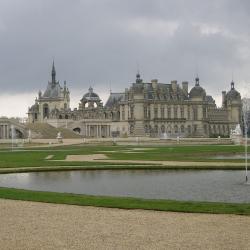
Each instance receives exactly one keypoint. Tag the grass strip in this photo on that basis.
(125, 203)
(114, 167)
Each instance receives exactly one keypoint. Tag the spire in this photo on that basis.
(53, 73)
(197, 80)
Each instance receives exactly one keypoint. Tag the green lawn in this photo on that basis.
(35, 157)
(125, 203)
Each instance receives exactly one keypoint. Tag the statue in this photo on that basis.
(59, 137)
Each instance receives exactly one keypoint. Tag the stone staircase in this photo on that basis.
(139, 128)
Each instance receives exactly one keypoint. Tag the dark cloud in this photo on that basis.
(102, 42)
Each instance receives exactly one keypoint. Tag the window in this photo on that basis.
(195, 113)
(132, 112)
(182, 129)
(188, 112)
(156, 129)
(204, 113)
(175, 112)
(176, 129)
(182, 112)
(155, 112)
(145, 112)
(169, 112)
(169, 129)
(123, 112)
(45, 110)
(162, 112)
(163, 129)
(205, 128)
(195, 128)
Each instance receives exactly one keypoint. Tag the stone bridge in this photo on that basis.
(9, 125)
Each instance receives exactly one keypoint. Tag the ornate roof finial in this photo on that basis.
(232, 85)
(197, 80)
(90, 89)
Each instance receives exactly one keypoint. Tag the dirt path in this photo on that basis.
(103, 158)
(30, 225)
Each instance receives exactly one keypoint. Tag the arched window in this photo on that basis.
(45, 110)
(182, 129)
(169, 129)
(163, 129)
(77, 130)
(156, 129)
(176, 129)
(118, 115)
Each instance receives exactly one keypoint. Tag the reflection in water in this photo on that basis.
(212, 185)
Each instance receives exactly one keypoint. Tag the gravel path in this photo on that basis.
(104, 158)
(31, 225)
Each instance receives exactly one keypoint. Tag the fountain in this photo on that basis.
(29, 136)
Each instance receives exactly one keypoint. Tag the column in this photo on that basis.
(86, 130)
(3, 131)
(8, 131)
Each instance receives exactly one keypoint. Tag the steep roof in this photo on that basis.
(114, 98)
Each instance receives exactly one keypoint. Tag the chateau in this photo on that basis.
(144, 109)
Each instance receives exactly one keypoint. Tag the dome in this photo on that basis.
(197, 90)
(91, 96)
(233, 94)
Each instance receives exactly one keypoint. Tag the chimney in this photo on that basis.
(185, 87)
(174, 86)
(154, 83)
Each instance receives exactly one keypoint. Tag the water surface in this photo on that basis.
(204, 185)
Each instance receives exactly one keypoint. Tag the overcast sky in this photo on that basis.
(102, 43)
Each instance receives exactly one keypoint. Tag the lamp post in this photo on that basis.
(246, 156)
(245, 111)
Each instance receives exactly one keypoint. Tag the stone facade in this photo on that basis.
(145, 109)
